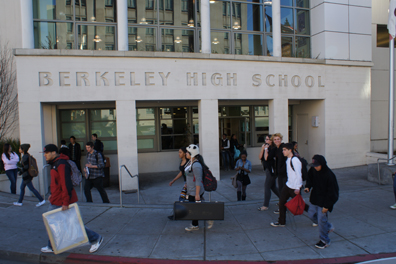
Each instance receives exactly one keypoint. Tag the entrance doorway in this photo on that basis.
(302, 134)
(235, 125)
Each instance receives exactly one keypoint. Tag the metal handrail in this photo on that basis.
(120, 182)
(45, 176)
(379, 173)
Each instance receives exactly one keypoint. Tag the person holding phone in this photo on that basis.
(244, 167)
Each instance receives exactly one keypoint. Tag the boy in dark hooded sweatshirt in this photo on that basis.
(323, 183)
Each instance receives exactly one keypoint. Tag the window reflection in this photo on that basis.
(96, 37)
(142, 39)
(248, 44)
(220, 42)
(50, 35)
(95, 10)
(178, 40)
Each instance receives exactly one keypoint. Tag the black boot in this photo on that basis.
(243, 197)
(239, 195)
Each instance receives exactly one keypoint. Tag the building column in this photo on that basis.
(276, 29)
(127, 142)
(208, 134)
(27, 24)
(205, 26)
(279, 117)
(122, 25)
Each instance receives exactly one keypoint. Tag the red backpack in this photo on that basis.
(296, 205)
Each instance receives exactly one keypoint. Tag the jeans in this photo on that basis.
(12, 176)
(394, 187)
(31, 188)
(316, 215)
(98, 184)
(226, 159)
(269, 184)
(93, 237)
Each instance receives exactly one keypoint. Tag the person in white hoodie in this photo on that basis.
(10, 161)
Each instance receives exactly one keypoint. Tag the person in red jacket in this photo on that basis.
(63, 193)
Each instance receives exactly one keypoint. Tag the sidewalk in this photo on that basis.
(365, 226)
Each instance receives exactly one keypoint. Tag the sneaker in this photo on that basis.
(17, 204)
(262, 208)
(276, 212)
(96, 245)
(40, 203)
(393, 207)
(191, 228)
(314, 224)
(210, 224)
(322, 245)
(276, 224)
(46, 249)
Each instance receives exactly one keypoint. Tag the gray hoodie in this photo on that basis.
(194, 178)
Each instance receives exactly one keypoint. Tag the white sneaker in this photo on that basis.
(314, 224)
(210, 224)
(191, 228)
(40, 203)
(46, 249)
(96, 245)
(17, 204)
(393, 207)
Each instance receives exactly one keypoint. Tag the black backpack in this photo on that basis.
(1, 165)
(304, 165)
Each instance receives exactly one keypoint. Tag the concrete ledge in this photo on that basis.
(372, 157)
(187, 55)
(386, 172)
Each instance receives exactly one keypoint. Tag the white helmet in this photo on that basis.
(193, 150)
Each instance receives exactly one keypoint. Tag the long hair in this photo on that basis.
(201, 160)
(272, 141)
(6, 150)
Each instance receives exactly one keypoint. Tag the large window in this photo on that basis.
(78, 24)
(82, 123)
(295, 28)
(166, 128)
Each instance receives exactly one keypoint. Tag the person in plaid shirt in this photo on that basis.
(94, 173)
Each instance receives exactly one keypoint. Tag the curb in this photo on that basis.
(39, 258)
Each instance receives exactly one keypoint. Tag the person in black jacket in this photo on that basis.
(279, 164)
(75, 152)
(27, 179)
(324, 189)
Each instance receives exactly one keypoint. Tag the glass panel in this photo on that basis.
(220, 42)
(220, 21)
(177, 40)
(261, 123)
(73, 129)
(167, 142)
(287, 21)
(109, 145)
(260, 138)
(103, 114)
(244, 126)
(165, 113)
(247, 17)
(166, 12)
(166, 127)
(303, 47)
(195, 126)
(270, 49)
(302, 17)
(104, 129)
(181, 141)
(142, 39)
(96, 37)
(268, 18)
(287, 47)
(245, 110)
(302, 3)
(248, 44)
(145, 128)
(51, 35)
(195, 112)
(198, 14)
(179, 126)
(132, 11)
(183, 15)
(145, 113)
(180, 112)
(52, 10)
(96, 10)
(287, 2)
(382, 36)
(147, 143)
(196, 139)
(261, 111)
(73, 115)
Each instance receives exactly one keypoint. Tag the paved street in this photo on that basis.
(364, 224)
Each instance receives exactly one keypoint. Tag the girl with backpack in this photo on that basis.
(10, 160)
(243, 166)
(194, 175)
(27, 179)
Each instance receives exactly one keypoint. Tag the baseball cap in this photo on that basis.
(50, 148)
(314, 163)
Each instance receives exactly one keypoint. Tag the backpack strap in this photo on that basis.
(291, 163)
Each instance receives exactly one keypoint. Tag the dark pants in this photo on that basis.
(191, 198)
(281, 183)
(241, 187)
(31, 188)
(284, 196)
(98, 184)
(12, 176)
(269, 184)
(78, 164)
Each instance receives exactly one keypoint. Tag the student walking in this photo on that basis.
(270, 178)
(225, 152)
(244, 167)
(27, 179)
(324, 189)
(63, 193)
(293, 184)
(10, 160)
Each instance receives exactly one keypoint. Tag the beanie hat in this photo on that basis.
(25, 147)
(193, 150)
